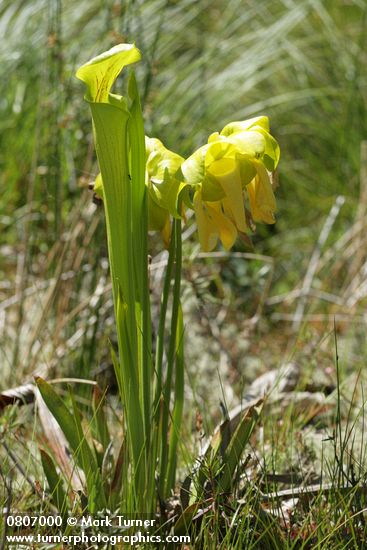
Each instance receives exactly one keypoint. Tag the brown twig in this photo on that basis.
(310, 491)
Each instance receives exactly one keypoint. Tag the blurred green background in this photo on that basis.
(205, 63)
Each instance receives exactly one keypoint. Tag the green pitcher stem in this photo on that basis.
(163, 315)
(167, 387)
